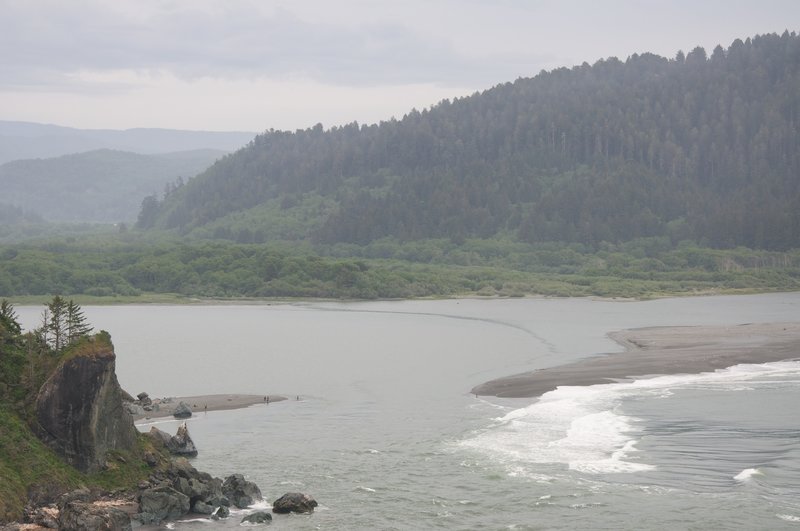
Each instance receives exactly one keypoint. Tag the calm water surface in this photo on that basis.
(386, 435)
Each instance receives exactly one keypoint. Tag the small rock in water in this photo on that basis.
(222, 512)
(182, 444)
(258, 518)
(294, 502)
(179, 444)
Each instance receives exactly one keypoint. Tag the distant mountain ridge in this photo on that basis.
(700, 146)
(101, 186)
(27, 140)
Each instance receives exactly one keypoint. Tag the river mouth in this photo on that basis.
(387, 436)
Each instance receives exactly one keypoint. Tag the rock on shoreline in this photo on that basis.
(180, 444)
(173, 490)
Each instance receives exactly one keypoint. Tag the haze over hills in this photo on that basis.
(703, 146)
(102, 186)
(26, 140)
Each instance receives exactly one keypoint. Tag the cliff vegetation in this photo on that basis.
(31, 470)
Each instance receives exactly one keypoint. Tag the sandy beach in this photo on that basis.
(203, 403)
(658, 351)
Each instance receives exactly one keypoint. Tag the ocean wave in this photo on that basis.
(576, 426)
(581, 426)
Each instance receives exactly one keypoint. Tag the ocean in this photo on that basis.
(381, 428)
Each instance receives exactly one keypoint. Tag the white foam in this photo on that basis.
(572, 425)
(788, 517)
(747, 474)
(260, 505)
(582, 428)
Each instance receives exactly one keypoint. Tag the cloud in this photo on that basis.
(46, 43)
(254, 64)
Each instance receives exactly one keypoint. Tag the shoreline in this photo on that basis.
(658, 351)
(205, 403)
(171, 299)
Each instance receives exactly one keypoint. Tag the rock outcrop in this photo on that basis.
(294, 502)
(79, 413)
(83, 516)
(240, 492)
(180, 444)
(82, 510)
(182, 489)
(162, 503)
(79, 410)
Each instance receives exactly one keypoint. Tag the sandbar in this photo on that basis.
(202, 403)
(659, 351)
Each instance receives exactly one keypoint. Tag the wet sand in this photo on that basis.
(657, 351)
(202, 403)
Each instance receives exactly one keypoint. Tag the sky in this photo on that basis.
(252, 65)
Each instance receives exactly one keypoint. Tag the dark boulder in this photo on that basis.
(201, 507)
(215, 495)
(258, 518)
(162, 503)
(182, 411)
(294, 502)
(83, 516)
(240, 492)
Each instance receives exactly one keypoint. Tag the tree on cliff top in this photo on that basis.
(63, 323)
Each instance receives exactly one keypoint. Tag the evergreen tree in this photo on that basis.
(76, 325)
(63, 323)
(57, 324)
(9, 321)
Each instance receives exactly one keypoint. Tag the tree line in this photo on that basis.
(386, 268)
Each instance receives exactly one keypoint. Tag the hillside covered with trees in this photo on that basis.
(703, 147)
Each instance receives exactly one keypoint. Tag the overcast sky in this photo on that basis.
(258, 64)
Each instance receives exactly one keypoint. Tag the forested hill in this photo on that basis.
(702, 146)
(102, 186)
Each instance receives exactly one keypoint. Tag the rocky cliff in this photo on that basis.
(79, 411)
